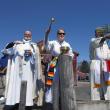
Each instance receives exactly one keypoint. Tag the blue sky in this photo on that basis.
(79, 18)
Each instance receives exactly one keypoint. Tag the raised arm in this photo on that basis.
(106, 36)
(48, 31)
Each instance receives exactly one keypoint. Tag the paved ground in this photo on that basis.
(82, 92)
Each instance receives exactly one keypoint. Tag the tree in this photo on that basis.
(84, 67)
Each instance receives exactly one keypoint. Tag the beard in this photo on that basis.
(27, 39)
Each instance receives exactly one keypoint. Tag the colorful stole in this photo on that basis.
(105, 71)
(108, 65)
(51, 71)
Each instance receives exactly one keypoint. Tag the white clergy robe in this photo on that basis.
(20, 69)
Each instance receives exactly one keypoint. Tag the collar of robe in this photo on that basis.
(60, 42)
(26, 41)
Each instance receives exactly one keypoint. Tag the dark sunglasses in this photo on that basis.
(61, 33)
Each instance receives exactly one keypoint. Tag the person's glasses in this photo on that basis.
(61, 33)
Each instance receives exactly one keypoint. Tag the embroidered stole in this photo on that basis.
(102, 69)
(51, 71)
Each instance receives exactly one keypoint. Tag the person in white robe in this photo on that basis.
(99, 75)
(54, 47)
(23, 65)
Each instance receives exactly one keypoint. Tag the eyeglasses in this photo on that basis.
(61, 33)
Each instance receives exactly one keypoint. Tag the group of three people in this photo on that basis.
(24, 64)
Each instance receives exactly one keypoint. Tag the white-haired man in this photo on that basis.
(23, 65)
